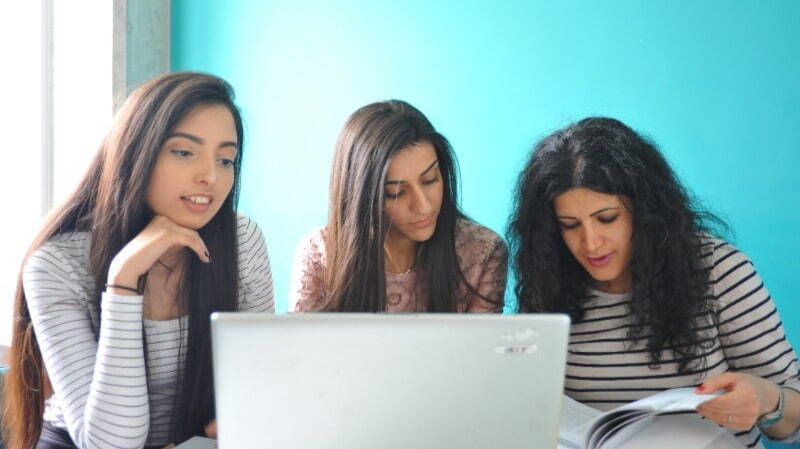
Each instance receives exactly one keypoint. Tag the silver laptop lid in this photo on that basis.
(350, 381)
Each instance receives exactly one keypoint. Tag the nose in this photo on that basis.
(206, 171)
(421, 204)
(592, 240)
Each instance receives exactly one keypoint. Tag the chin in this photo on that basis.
(194, 223)
(420, 236)
(601, 276)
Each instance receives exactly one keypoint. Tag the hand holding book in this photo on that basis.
(745, 399)
(584, 427)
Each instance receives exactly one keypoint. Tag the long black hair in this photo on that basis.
(354, 238)
(110, 204)
(669, 294)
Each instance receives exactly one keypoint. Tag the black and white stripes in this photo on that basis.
(102, 395)
(606, 369)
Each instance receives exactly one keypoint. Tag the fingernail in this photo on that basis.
(208, 257)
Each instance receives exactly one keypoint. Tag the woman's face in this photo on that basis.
(597, 229)
(413, 193)
(194, 172)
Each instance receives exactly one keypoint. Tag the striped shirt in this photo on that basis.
(606, 369)
(103, 394)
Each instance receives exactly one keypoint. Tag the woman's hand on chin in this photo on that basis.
(158, 237)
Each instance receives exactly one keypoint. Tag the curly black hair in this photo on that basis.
(669, 299)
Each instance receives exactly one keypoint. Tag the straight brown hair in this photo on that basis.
(354, 277)
(110, 204)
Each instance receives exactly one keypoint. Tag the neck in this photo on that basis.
(172, 257)
(399, 253)
(622, 284)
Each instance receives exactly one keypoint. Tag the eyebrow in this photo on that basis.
(200, 141)
(433, 164)
(591, 215)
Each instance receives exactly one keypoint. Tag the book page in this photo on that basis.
(618, 438)
(674, 400)
(681, 431)
(575, 421)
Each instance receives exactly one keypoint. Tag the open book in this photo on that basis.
(649, 422)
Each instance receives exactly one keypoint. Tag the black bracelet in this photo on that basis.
(123, 287)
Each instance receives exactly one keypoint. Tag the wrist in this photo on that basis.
(121, 276)
(122, 284)
(773, 416)
(122, 290)
(773, 399)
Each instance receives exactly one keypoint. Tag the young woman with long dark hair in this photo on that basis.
(396, 239)
(111, 341)
(604, 231)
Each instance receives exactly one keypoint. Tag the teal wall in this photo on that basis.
(715, 83)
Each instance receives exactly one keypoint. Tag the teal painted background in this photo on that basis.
(715, 83)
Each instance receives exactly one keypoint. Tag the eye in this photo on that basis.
(609, 219)
(181, 152)
(227, 163)
(428, 182)
(393, 195)
(568, 226)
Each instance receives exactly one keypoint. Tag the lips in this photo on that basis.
(424, 223)
(197, 203)
(600, 261)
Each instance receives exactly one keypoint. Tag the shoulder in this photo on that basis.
(313, 243)
(721, 256)
(732, 276)
(69, 249)
(307, 291)
(248, 232)
(252, 248)
(472, 238)
(64, 257)
(310, 250)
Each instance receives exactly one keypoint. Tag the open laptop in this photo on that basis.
(351, 381)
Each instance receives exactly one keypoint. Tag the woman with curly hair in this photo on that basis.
(604, 231)
(396, 240)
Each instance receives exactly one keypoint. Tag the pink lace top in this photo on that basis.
(481, 253)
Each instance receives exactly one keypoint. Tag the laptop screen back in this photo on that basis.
(349, 381)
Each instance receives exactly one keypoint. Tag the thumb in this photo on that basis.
(721, 382)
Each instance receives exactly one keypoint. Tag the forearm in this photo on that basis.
(117, 410)
(791, 416)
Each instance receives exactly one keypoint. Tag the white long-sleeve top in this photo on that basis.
(103, 395)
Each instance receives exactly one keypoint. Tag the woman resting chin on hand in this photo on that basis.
(112, 315)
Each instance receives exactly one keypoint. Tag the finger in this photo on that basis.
(725, 401)
(199, 246)
(211, 429)
(721, 382)
(165, 223)
(712, 415)
(195, 243)
(730, 420)
(741, 412)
